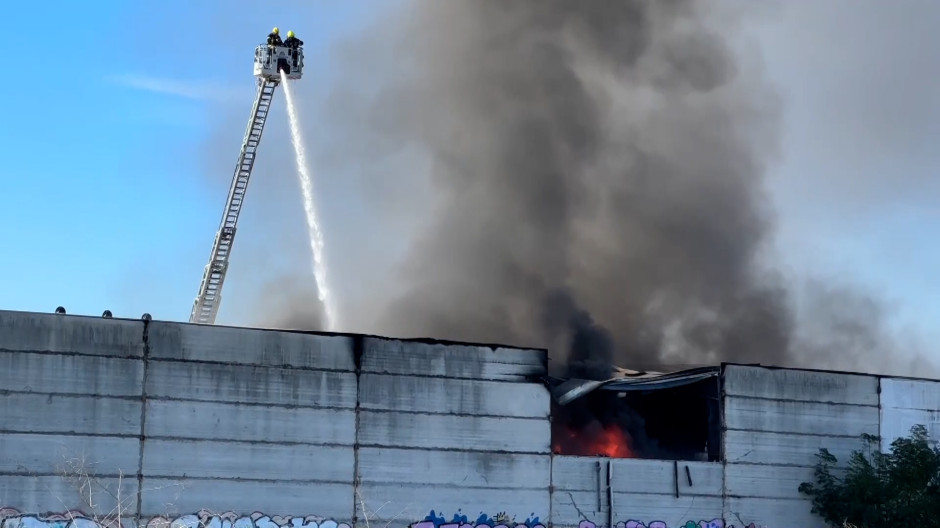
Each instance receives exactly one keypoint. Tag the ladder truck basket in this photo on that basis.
(270, 61)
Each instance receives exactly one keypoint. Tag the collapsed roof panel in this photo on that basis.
(565, 391)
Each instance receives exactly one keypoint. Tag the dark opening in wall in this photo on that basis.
(672, 422)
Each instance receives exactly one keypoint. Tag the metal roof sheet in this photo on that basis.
(565, 391)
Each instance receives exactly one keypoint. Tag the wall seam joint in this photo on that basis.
(357, 350)
(143, 422)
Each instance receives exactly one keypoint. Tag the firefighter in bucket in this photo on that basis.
(274, 38)
(293, 43)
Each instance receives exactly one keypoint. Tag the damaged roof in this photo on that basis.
(565, 391)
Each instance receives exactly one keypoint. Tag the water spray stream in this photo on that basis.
(313, 224)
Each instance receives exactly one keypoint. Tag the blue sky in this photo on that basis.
(118, 151)
(104, 204)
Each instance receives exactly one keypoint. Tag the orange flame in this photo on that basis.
(610, 441)
(613, 442)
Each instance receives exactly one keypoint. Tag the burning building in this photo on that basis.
(162, 421)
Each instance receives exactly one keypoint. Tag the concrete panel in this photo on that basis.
(54, 493)
(57, 455)
(780, 384)
(251, 384)
(388, 429)
(910, 394)
(897, 423)
(666, 508)
(906, 403)
(209, 421)
(182, 496)
(71, 374)
(573, 473)
(473, 469)
(632, 475)
(25, 331)
(36, 413)
(228, 460)
(800, 417)
(746, 480)
(386, 356)
(785, 449)
(250, 346)
(772, 512)
(454, 396)
(569, 508)
(395, 506)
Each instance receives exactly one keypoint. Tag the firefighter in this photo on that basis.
(292, 41)
(274, 38)
(293, 44)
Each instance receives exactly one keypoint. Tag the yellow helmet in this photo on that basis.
(290, 33)
(275, 31)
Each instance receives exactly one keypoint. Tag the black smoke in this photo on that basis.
(647, 419)
(589, 177)
(591, 349)
(591, 356)
(612, 150)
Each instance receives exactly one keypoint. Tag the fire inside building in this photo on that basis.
(162, 424)
(673, 416)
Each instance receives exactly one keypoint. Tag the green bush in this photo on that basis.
(898, 488)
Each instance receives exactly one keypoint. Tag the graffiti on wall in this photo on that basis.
(206, 519)
(714, 523)
(501, 520)
(435, 520)
(11, 518)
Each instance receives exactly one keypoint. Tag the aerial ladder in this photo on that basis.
(272, 65)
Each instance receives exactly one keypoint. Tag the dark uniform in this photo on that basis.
(274, 39)
(293, 42)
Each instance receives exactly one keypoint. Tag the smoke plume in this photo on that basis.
(613, 151)
(584, 176)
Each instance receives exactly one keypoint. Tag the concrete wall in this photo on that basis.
(452, 428)
(618, 491)
(580, 490)
(347, 428)
(172, 423)
(775, 422)
(906, 403)
(70, 397)
(267, 417)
